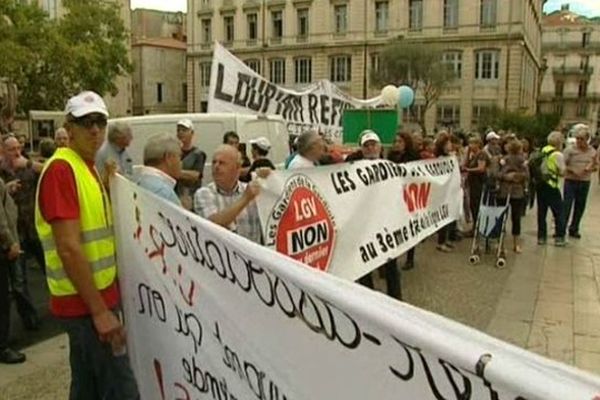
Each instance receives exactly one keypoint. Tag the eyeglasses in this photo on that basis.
(88, 121)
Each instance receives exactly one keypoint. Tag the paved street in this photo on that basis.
(546, 300)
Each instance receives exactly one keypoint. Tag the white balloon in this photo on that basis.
(389, 95)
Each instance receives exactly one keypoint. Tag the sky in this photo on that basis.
(589, 8)
(165, 5)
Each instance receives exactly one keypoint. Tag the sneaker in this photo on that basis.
(575, 235)
(10, 356)
(560, 242)
(450, 245)
(443, 248)
(542, 241)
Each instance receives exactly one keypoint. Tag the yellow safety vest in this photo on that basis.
(551, 166)
(95, 220)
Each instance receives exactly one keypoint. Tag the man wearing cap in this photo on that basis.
(162, 167)
(259, 149)
(74, 223)
(492, 147)
(192, 163)
(311, 147)
(227, 201)
(370, 149)
(115, 149)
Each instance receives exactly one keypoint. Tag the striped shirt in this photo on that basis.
(209, 200)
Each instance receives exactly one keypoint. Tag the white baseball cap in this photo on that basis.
(186, 123)
(368, 135)
(85, 103)
(262, 143)
(491, 136)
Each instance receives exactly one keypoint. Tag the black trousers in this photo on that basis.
(33, 247)
(392, 278)
(550, 198)
(517, 211)
(4, 303)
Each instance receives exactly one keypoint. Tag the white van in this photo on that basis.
(208, 133)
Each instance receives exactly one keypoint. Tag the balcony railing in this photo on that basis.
(573, 70)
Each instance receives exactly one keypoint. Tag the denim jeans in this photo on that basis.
(550, 197)
(96, 374)
(575, 192)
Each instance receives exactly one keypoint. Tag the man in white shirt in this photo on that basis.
(227, 201)
(310, 150)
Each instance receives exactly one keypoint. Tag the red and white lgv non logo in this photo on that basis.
(416, 196)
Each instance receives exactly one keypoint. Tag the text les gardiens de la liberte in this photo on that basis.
(374, 172)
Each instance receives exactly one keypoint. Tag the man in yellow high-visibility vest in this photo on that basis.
(74, 223)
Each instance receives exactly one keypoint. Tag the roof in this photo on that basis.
(566, 18)
(166, 42)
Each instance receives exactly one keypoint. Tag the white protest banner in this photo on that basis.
(235, 87)
(210, 315)
(349, 219)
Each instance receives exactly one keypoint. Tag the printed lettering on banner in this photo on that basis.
(211, 315)
(305, 230)
(236, 88)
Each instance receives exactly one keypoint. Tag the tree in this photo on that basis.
(50, 60)
(417, 65)
(534, 127)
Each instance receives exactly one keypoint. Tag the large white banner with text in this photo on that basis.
(348, 219)
(210, 315)
(235, 87)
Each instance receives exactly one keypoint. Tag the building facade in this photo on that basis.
(159, 76)
(571, 82)
(151, 24)
(120, 104)
(493, 45)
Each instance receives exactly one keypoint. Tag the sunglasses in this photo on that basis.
(88, 121)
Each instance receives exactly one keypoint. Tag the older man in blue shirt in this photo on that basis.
(115, 149)
(162, 167)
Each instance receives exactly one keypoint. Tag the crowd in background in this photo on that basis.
(496, 168)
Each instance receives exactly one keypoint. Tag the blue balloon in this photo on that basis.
(406, 96)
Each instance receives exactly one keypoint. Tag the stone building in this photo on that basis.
(493, 45)
(571, 82)
(159, 80)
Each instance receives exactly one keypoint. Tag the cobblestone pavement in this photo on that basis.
(546, 300)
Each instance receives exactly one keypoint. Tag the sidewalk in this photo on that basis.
(551, 302)
(546, 300)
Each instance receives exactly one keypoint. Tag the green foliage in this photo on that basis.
(50, 59)
(534, 127)
(417, 65)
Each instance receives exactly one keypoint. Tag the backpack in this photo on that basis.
(538, 167)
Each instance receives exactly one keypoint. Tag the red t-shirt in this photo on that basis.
(59, 201)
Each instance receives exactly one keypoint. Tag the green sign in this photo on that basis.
(383, 121)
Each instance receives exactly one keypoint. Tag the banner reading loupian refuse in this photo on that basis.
(211, 315)
(349, 219)
(235, 87)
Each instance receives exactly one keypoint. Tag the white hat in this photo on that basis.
(491, 136)
(368, 135)
(186, 123)
(262, 143)
(85, 103)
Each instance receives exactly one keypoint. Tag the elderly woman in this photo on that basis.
(475, 166)
(514, 176)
